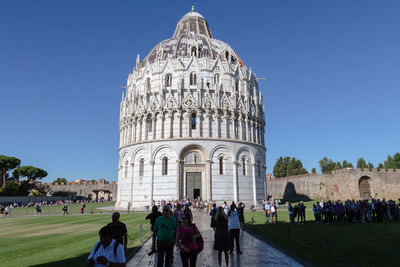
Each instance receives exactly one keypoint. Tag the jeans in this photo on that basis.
(187, 257)
(166, 250)
(234, 236)
(267, 215)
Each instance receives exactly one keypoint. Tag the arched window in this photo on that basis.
(237, 85)
(194, 51)
(244, 167)
(227, 55)
(193, 78)
(168, 80)
(221, 165)
(193, 121)
(149, 125)
(165, 166)
(141, 167)
(216, 79)
(148, 84)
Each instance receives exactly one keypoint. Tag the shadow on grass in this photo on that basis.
(81, 259)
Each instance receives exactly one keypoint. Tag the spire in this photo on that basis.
(192, 8)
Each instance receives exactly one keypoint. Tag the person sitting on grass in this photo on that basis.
(107, 251)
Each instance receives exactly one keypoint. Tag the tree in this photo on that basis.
(6, 164)
(396, 159)
(60, 180)
(280, 168)
(30, 172)
(390, 163)
(380, 166)
(326, 165)
(295, 167)
(346, 164)
(314, 171)
(370, 166)
(338, 166)
(361, 164)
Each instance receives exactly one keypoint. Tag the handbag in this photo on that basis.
(199, 240)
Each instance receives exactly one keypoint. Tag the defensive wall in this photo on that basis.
(87, 188)
(340, 184)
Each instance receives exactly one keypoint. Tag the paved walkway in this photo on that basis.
(255, 252)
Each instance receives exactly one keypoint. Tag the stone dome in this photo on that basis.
(193, 36)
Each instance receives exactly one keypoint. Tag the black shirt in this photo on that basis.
(153, 217)
(119, 229)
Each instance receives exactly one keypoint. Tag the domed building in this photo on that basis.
(191, 123)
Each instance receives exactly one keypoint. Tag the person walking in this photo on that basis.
(153, 217)
(178, 214)
(212, 214)
(186, 240)
(107, 251)
(129, 206)
(240, 210)
(221, 237)
(119, 229)
(164, 228)
(64, 209)
(234, 228)
(83, 206)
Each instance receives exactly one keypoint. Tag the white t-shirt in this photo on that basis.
(108, 252)
(226, 209)
(267, 207)
(272, 209)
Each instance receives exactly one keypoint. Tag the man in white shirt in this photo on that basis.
(107, 252)
(226, 208)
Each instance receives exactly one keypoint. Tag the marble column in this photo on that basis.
(132, 175)
(179, 195)
(233, 132)
(180, 125)
(159, 130)
(251, 139)
(235, 181)
(226, 126)
(151, 162)
(208, 179)
(140, 129)
(119, 186)
(134, 132)
(188, 125)
(215, 126)
(240, 122)
(170, 126)
(254, 185)
(206, 132)
(246, 137)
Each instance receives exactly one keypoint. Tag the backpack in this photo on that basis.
(115, 248)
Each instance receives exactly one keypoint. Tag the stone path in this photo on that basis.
(255, 252)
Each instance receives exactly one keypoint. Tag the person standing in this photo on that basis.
(221, 237)
(83, 206)
(186, 237)
(107, 251)
(153, 217)
(291, 212)
(267, 209)
(274, 213)
(119, 230)
(226, 208)
(212, 214)
(234, 228)
(164, 229)
(178, 214)
(240, 210)
(64, 209)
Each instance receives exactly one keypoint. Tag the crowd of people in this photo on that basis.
(327, 212)
(174, 227)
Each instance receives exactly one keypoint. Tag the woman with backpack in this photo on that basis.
(189, 241)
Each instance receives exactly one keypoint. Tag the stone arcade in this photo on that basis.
(191, 123)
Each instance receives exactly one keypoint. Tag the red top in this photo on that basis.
(187, 237)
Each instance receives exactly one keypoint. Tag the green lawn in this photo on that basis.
(59, 240)
(72, 209)
(370, 244)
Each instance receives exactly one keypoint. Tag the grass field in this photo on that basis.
(370, 244)
(59, 240)
(72, 209)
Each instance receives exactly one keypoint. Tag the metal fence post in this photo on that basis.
(289, 241)
(328, 252)
(140, 234)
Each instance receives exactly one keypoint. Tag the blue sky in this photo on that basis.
(331, 69)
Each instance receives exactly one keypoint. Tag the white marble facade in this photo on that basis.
(191, 123)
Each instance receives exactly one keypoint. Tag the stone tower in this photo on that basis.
(191, 123)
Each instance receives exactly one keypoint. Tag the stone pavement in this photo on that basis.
(255, 251)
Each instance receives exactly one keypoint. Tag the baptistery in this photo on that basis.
(191, 123)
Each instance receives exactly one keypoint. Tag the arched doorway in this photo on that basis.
(364, 184)
(193, 172)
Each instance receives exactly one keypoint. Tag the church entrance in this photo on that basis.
(193, 184)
